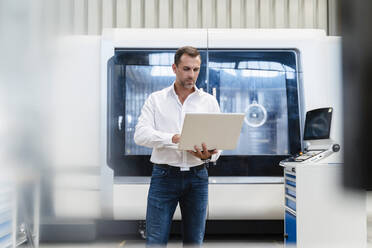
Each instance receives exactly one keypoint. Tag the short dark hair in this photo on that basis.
(189, 50)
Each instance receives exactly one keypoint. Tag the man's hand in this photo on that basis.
(176, 138)
(205, 154)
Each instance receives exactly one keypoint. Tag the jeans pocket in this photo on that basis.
(159, 172)
(202, 174)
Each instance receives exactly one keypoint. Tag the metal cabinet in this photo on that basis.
(319, 211)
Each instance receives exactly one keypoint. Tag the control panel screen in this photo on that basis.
(318, 124)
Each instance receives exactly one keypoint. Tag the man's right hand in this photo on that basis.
(176, 138)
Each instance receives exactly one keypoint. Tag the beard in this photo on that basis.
(188, 83)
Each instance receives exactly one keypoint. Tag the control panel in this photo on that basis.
(313, 155)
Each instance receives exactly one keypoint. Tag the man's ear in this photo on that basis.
(174, 67)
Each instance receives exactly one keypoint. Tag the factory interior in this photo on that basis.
(288, 131)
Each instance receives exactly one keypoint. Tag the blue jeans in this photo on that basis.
(168, 188)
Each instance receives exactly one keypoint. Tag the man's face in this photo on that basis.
(187, 70)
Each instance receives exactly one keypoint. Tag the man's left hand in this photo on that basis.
(205, 154)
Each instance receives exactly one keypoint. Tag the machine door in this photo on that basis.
(262, 84)
(132, 76)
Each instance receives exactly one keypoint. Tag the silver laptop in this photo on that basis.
(217, 130)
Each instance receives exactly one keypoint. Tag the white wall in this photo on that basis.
(75, 103)
(74, 137)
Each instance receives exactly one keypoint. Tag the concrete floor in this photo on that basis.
(215, 242)
(117, 243)
(173, 244)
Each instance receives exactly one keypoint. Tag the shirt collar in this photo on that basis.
(173, 92)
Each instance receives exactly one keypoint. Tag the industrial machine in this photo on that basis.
(273, 76)
(319, 211)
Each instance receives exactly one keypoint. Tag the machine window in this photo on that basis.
(261, 84)
(255, 84)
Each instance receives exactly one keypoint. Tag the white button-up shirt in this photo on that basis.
(162, 117)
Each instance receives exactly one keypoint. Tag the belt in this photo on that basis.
(167, 166)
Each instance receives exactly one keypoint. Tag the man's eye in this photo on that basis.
(186, 69)
(196, 69)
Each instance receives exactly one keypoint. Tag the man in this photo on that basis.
(177, 176)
